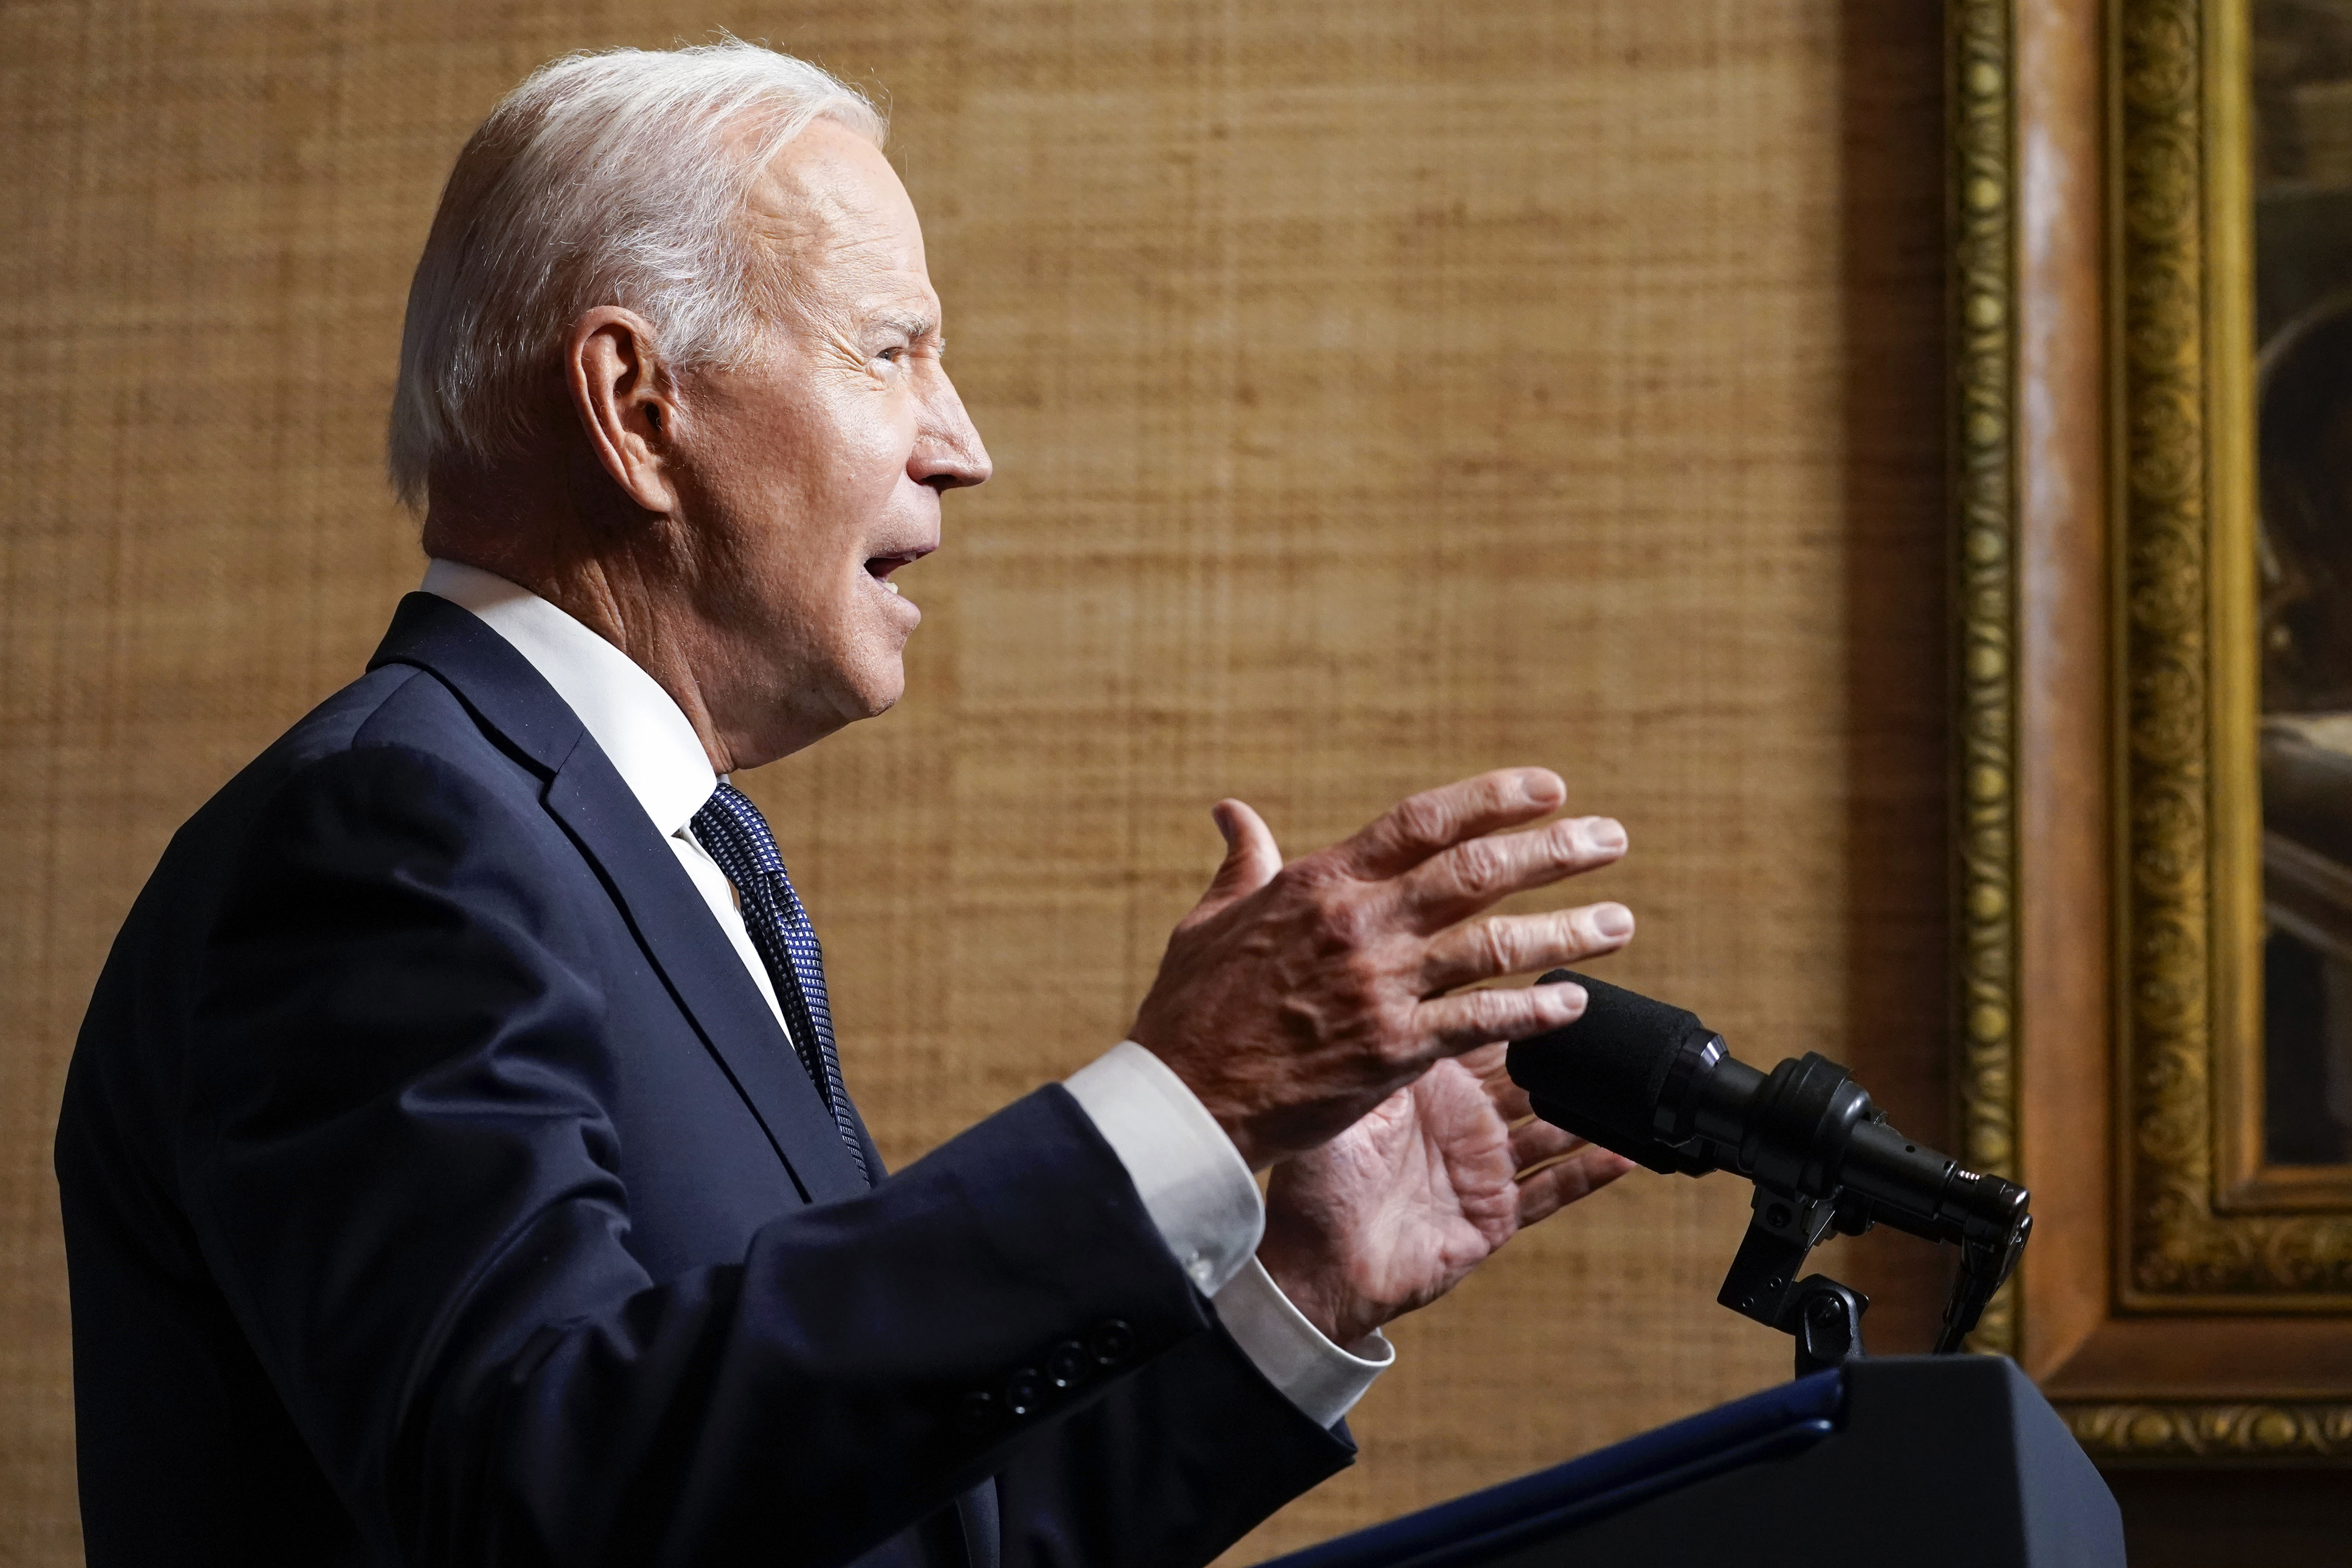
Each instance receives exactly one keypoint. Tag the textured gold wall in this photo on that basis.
(1379, 390)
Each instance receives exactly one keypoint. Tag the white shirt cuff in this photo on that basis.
(1317, 1377)
(1195, 1184)
(1204, 1201)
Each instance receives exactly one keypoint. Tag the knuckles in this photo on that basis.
(1496, 947)
(1422, 819)
(1346, 923)
(1482, 868)
(1489, 1007)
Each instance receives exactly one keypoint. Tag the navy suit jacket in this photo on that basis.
(439, 1189)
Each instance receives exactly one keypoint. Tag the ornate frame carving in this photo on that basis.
(2191, 1025)
(1985, 600)
(2196, 1327)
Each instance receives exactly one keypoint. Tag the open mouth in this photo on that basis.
(879, 567)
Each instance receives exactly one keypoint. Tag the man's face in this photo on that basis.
(810, 475)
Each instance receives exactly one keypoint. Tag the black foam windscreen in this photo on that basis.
(1611, 1064)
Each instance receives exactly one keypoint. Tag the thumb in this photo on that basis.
(1252, 857)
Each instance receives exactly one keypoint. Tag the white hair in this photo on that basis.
(614, 178)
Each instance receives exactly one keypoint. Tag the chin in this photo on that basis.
(876, 691)
(866, 673)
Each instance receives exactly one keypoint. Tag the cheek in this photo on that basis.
(884, 440)
(854, 464)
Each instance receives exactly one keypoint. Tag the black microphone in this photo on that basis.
(1652, 1082)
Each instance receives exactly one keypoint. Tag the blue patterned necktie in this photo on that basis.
(737, 836)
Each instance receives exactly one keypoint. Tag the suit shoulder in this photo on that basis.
(394, 706)
(394, 709)
(396, 747)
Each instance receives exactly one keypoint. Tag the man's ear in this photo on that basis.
(627, 403)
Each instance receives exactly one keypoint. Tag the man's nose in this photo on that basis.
(947, 453)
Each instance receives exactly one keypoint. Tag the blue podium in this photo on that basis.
(1891, 1462)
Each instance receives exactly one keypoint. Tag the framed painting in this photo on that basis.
(2152, 440)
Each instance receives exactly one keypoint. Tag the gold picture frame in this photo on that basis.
(2184, 1300)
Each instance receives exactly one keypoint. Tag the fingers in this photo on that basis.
(1490, 1065)
(1468, 1019)
(1460, 881)
(1547, 1190)
(1421, 826)
(1511, 1102)
(1537, 1143)
(1252, 857)
(1523, 944)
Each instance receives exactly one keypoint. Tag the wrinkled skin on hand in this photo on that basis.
(1294, 999)
(1314, 1010)
(1395, 1211)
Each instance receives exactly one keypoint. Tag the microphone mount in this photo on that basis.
(1653, 1083)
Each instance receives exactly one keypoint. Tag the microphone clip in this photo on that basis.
(1824, 1315)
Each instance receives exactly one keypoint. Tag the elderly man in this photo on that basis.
(457, 1163)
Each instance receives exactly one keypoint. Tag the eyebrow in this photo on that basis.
(913, 323)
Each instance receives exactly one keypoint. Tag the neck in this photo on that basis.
(612, 568)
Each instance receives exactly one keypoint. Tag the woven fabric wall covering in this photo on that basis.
(1379, 392)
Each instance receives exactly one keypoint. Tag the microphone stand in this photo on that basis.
(1824, 1315)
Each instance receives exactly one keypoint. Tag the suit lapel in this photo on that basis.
(676, 928)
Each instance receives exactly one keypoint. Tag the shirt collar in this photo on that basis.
(641, 728)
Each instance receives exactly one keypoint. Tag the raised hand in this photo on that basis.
(1393, 1211)
(1294, 999)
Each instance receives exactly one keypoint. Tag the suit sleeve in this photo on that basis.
(401, 1171)
(1198, 1441)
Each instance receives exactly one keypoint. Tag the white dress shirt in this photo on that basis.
(1195, 1183)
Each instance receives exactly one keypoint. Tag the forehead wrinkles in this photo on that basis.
(831, 236)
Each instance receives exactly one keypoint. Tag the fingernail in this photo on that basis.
(1606, 833)
(1613, 920)
(1541, 788)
